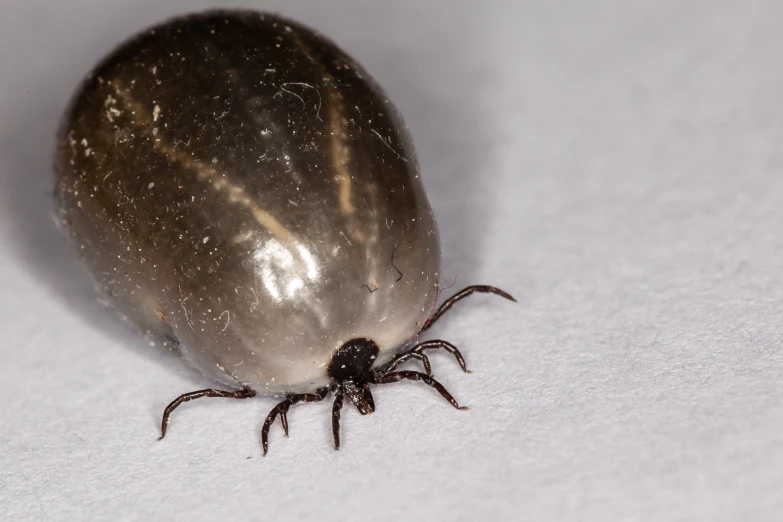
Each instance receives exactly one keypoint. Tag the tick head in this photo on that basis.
(353, 360)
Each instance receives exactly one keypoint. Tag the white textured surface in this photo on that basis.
(617, 165)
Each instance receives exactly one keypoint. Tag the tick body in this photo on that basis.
(243, 192)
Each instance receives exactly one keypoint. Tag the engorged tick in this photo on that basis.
(235, 184)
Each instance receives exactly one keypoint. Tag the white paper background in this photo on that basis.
(615, 164)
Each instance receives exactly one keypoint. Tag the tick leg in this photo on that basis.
(282, 410)
(336, 407)
(270, 419)
(404, 357)
(431, 345)
(185, 397)
(319, 395)
(462, 294)
(417, 376)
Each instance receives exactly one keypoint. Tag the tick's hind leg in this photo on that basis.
(418, 376)
(462, 294)
(185, 397)
(282, 410)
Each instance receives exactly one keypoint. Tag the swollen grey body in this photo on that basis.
(242, 191)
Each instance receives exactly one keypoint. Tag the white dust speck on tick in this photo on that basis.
(156, 113)
(214, 161)
(151, 185)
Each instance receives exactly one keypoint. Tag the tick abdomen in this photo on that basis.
(237, 186)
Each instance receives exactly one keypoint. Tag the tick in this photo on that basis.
(246, 195)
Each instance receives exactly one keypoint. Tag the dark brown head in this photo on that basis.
(350, 368)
